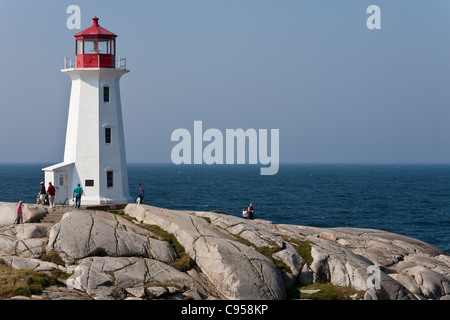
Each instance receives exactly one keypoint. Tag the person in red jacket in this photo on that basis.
(51, 195)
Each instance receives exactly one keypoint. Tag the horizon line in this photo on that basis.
(247, 164)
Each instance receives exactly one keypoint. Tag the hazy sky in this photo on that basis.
(337, 91)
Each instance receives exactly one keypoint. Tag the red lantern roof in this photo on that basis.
(95, 30)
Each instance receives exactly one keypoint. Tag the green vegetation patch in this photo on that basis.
(303, 248)
(184, 261)
(207, 219)
(326, 291)
(54, 257)
(266, 251)
(23, 282)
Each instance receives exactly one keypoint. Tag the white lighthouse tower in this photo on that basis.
(94, 153)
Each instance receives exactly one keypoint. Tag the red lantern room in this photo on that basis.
(95, 47)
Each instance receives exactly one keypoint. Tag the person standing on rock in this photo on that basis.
(77, 193)
(250, 212)
(141, 191)
(19, 213)
(51, 195)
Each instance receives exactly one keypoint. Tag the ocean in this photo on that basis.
(411, 200)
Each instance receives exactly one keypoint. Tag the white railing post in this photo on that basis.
(69, 63)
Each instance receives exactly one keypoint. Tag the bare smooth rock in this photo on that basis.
(31, 264)
(342, 256)
(109, 257)
(31, 213)
(25, 240)
(109, 278)
(87, 233)
(236, 270)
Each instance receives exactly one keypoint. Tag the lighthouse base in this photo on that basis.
(100, 201)
(65, 177)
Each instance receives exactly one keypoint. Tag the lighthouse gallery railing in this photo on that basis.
(71, 63)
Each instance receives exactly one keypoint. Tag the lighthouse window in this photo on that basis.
(109, 179)
(107, 135)
(103, 46)
(79, 46)
(90, 46)
(105, 94)
(89, 183)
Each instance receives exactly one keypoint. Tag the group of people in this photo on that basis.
(47, 194)
(248, 214)
(43, 196)
(76, 195)
(141, 193)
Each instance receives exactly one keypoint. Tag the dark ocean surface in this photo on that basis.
(412, 200)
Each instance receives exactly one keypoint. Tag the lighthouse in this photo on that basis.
(94, 154)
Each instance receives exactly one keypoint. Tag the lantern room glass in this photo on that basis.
(79, 46)
(90, 46)
(96, 46)
(103, 46)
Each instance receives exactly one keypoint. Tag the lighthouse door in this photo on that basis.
(62, 188)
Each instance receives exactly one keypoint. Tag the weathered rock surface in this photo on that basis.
(25, 240)
(238, 271)
(85, 233)
(113, 277)
(31, 213)
(31, 264)
(109, 257)
(342, 256)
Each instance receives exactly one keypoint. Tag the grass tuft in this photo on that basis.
(303, 248)
(327, 291)
(23, 282)
(54, 257)
(184, 261)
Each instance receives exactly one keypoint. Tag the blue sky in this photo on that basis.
(337, 91)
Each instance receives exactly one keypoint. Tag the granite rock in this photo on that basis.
(31, 213)
(85, 233)
(109, 257)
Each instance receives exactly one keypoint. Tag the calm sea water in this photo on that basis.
(412, 200)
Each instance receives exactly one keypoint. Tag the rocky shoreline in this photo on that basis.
(146, 252)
